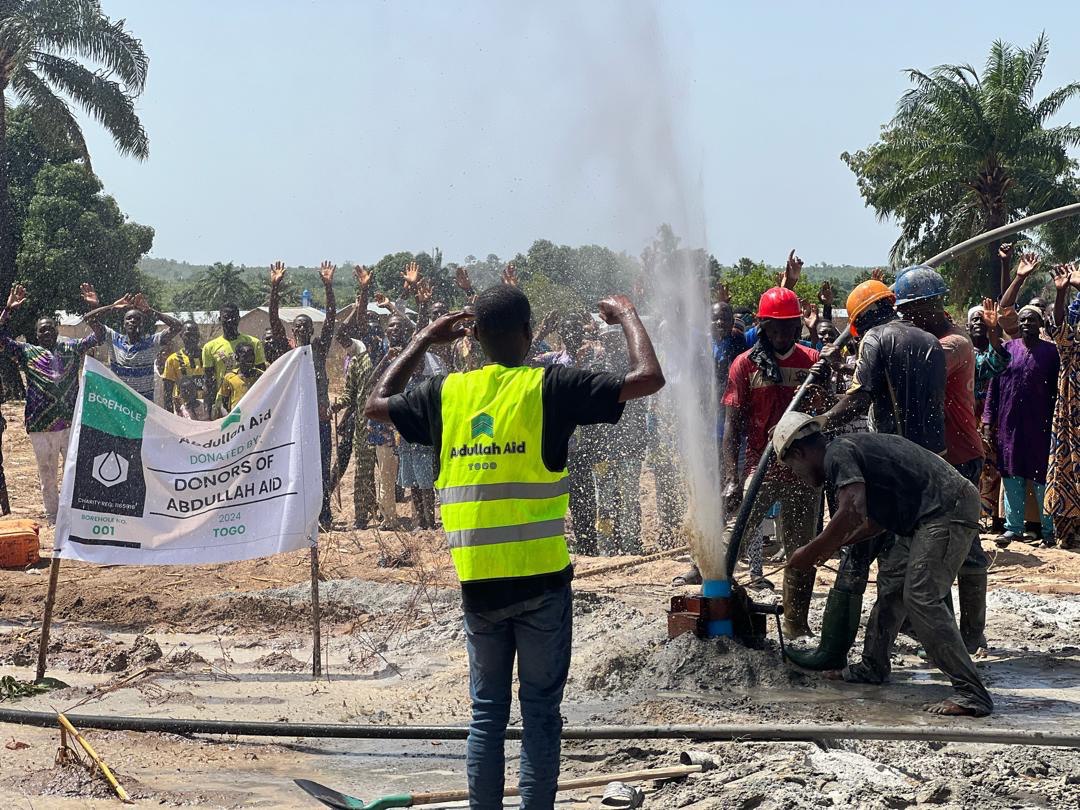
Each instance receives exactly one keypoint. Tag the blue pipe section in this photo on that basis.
(717, 589)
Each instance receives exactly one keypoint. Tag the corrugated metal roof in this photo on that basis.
(203, 317)
(289, 314)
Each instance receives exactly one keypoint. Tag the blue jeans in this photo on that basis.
(539, 634)
(1015, 500)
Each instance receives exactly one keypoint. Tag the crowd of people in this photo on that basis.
(996, 398)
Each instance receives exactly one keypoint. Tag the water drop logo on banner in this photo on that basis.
(143, 486)
(108, 470)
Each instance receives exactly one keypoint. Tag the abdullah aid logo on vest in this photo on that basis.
(108, 464)
(481, 425)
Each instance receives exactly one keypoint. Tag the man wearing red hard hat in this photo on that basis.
(761, 384)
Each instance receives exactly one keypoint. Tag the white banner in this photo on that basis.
(143, 486)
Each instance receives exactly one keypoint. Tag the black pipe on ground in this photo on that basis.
(729, 733)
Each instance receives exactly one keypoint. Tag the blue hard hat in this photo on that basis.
(918, 282)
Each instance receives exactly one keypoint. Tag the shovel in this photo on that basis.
(342, 801)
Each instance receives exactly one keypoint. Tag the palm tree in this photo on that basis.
(969, 152)
(41, 42)
(222, 284)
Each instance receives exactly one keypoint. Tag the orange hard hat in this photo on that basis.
(864, 296)
(779, 303)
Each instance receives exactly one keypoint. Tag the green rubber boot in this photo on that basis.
(839, 626)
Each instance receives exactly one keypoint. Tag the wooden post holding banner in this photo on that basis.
(316, 634)
(46, 621)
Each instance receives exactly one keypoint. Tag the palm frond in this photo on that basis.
(1034, 61)
(1053, 102)
(50, 112)
(90, 34)
(100, 97)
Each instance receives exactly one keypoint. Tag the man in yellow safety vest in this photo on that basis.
(501, 434)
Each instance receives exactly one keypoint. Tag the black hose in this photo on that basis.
(767, 733)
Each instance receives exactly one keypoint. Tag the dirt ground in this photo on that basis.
(234, 642)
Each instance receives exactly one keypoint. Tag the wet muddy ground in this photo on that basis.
(233, 642)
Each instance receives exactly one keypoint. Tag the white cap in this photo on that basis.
(793, 425)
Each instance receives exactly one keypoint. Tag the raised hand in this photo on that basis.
(509, 275)
(723, 294)
(547, 326)
(362, 276)
(1060, 273)
(792, 272)
(810, 315)
(1005, 252)
(1027, 265)
(877, 274)
(382, 301)
(1074, 274)
(990, 314)
(424, 291)
(614, 308)
(326, 273)
(825, 294)
(89, 295)
(16, 297)
(277, 273)
(126, 301)
(446, 329)
(411, 276)
(140, 303)
(461, 278)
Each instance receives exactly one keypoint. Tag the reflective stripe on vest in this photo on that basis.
(500, 492)
(502, 509)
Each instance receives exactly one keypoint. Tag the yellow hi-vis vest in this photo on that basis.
(504, 512)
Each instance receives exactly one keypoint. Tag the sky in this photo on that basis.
(303, 131)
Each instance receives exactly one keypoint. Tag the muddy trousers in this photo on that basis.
(326, 457)
(579, 470)
(50, 450)
(915, 576)
(343, 453)
(618, 506)
(363, 481)
(538, 633)
(795, 527)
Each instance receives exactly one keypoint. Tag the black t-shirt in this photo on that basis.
(571, 397)
(905, 484)
(903, 368)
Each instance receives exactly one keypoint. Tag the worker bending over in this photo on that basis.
(885, 482)
(501, 434)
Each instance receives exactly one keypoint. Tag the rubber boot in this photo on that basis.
(972, 588)
(839, 626)
(798, 590)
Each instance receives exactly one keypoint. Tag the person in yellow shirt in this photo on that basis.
(236, 383)
(183, 364)
(219, 354)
